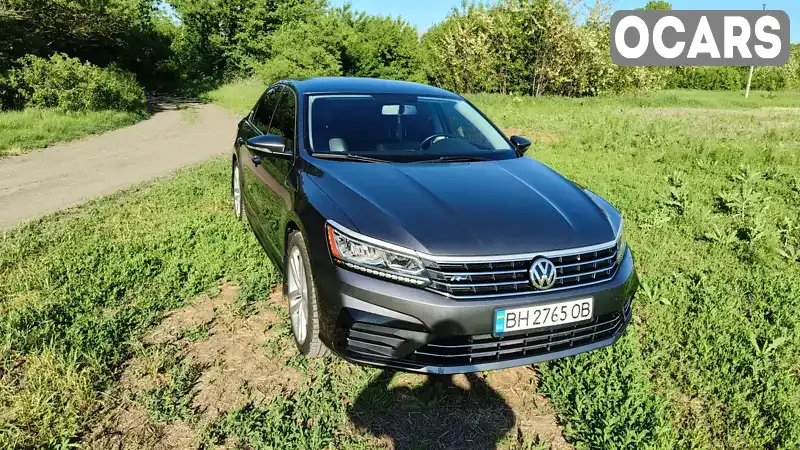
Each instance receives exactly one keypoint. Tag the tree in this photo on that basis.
(657, 5)
(379, 47)
(223, 38)
(102, 32)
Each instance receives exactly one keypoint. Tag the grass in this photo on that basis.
(171, 399)
(30, 129)
(710, 189)
(77, 288)
(712, 204)
(239, 97)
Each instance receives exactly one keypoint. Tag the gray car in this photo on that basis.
(413, 234)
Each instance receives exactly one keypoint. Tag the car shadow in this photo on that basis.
(443, 412)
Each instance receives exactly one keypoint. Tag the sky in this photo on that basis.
(424, 13)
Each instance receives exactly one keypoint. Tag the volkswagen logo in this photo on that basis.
(542, 274)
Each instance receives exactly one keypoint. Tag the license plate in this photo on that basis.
(553, 314)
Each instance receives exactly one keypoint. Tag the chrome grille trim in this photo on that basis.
(583, 263)
(584, 274)
(499, 272)
(474, 279)
(517, 294)
(522, 256)
(496, 283)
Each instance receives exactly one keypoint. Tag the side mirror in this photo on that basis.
(521, 143)
(269, 145)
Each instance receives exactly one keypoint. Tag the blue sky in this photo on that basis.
(424, 13)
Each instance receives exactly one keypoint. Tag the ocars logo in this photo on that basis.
(700, 38)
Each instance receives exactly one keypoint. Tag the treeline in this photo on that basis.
(89, 48)
(553, 47)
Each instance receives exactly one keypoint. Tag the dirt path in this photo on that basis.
(46, 181)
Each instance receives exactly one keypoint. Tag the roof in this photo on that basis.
(352, 85)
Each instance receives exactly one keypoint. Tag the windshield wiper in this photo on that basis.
(348, 157)
(444, 159)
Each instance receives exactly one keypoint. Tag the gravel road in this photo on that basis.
(48, 180)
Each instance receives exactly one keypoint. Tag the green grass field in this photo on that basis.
(30, 129)
(709, 185)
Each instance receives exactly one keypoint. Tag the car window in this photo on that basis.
(402, 127)
(266, 107)
(458, 124)
(284, 119)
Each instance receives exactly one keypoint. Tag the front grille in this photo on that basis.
(510, 277)
(487, 348)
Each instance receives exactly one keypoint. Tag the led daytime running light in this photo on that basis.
(390, 276)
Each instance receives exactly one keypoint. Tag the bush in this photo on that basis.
(531, 47)
(67, 84)
(9, 95)
(379, 47)
(772, 79)
(708, 78)
(300, 51)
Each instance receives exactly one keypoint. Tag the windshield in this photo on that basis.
(402, 128)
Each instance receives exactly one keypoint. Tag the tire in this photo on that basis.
(302, 299)
(237, 190)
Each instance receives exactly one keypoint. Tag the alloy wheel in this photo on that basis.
(298, 294)
(237, 192)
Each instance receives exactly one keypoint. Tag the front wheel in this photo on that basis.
(302, 296)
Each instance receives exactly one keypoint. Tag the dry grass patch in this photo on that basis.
(183, 380)
(535, 419)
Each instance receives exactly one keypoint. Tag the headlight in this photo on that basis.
(353, 253)
(622, 246)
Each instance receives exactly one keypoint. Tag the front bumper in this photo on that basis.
(375, 322)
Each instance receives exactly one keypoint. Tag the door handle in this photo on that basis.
(256, 160)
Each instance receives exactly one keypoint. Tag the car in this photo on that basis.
(412, 234)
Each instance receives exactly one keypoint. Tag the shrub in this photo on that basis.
(379, 47)
(772, 78)
(299, 51)
(708, 78)
(9, 95)
(528, 47)
(67, 84)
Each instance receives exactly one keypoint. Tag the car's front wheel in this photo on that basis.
(302, 295)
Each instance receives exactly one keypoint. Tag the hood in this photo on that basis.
(465, 209)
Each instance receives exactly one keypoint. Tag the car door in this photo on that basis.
(270, 190)
(256, 124)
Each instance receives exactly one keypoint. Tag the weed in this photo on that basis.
(741, 202)
(307, 419)
(172, 400)
(747, 176)
(197, 332)
(707, 164)
(721, 236)
(281, 338)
